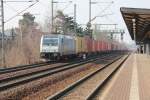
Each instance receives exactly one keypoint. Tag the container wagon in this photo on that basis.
(57, 46)
(81, 47)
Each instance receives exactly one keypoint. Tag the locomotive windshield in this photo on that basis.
(50, 41)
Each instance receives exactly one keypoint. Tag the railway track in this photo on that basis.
(24, 67)
(13, 81)
(31, 66)
(33, 70)
(87, 87)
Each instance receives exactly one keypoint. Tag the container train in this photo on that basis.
(57, 46)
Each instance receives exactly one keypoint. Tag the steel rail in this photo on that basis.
(23, 67)
(33, 72)
(30, 66)
(74, 85)
(100, 86)
(15, 81)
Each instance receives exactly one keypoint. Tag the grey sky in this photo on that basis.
(82, 11)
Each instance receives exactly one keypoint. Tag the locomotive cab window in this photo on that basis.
(50, 41)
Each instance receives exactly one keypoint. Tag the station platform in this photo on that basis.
(132, 82)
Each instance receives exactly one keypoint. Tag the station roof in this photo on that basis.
(141, 18)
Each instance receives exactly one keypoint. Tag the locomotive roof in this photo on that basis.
(50, 36)
(56, 36)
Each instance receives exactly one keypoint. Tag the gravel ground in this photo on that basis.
(51, 89)
(47, 82)
(85, 89)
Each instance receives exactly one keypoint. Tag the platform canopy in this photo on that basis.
(138, 23)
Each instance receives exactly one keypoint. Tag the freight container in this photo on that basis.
(93, 46)
(88, 44)
(104, 46)
(100, 46)
(96, 45)
(114, 47)
(80, 45)
(109, 46)
(84, 46)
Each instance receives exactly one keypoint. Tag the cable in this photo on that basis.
(21, 12)
(102, 11)
(105, 9)
(67, 6)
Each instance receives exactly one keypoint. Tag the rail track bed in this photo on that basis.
(85, 88)
(37, 65)
(11, 72)
(15, 81)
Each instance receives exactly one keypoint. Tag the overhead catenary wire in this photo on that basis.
(100, 16)
(103, 10)
(13, 9)
(70, 2)
(21, 12)
(19, 1)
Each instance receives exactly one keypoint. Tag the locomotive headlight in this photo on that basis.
(42, 54)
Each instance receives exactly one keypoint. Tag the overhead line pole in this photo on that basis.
(75, 15)
(52, 6)
(19, 13)
(3, 27)
(89, 24)
(89, 11)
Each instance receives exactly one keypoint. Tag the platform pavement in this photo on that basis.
(132, 82)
